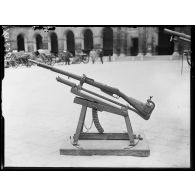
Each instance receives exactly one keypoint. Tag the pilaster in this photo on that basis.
(46, 42)
(149, 41)
(78, 44)
(61, 45)
(13, 44)
(114, 44)
(65, 44)
(30, 46)
(129, 43)
(122, 46)
(154, 40)
(141, 41)
(97, 42)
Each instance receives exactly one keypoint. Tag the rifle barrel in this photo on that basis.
(68, 74)
(85, 79)
(171, 32)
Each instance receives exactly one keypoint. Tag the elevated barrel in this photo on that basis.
(175, 33)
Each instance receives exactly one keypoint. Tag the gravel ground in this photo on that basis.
(40, 115)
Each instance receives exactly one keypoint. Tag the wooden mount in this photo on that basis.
(120, 144)
(108, 148)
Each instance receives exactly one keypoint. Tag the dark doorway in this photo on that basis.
(108, 41)
(39, 42)
(54, 43)
(88, 41)
(70, 42)
(134, 48)
(20, 43)
(165, 47)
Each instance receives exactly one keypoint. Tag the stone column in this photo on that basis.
(65, 44)
(97, 41)
(140, 41)
(114, 44)
(26, 44)
(13, 45)
(34, 45)
(46, 42)
(154, 41)
(176, 45)
(122, 46)
(60, 45)
(129, 42)
(149, 34)
(30, 46)
(78, 44)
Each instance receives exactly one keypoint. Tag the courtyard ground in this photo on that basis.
(40, 115)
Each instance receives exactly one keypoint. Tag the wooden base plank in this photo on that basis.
(104, 136)
(108, 147)
(105, 152)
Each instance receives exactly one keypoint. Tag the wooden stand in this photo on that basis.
(122, 144)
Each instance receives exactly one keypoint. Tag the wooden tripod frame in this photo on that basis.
(131, 147)
(100, 107)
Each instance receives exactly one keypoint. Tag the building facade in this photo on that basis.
(115, 41)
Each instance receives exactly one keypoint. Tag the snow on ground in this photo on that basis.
(40, 115)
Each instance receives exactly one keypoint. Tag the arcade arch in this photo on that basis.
(38, 41)
(107, 41)
(54, 43)
(88, 40)
(20, 43)
(70, 42)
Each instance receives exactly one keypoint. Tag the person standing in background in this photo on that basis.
(93, 55)
(101, 54)
(67, 57)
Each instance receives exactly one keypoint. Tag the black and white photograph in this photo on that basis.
(104, 96)
(97, 97)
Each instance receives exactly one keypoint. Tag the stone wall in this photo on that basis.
(122, 39)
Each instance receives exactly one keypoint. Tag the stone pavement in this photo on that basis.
(40, 115)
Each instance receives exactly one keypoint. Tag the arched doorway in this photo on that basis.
(70, 42)
(54, 43)
(108, 41)
(20, 42)
(39, 42)
(134, 48)
(165, 47)
(88, 41)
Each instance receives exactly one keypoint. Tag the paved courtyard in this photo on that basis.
(40, 115)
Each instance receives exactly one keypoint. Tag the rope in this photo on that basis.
(88, 128)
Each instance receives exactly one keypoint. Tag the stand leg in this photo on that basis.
(129, 130)
(80, 125)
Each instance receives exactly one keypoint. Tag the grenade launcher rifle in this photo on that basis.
(144, 110)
